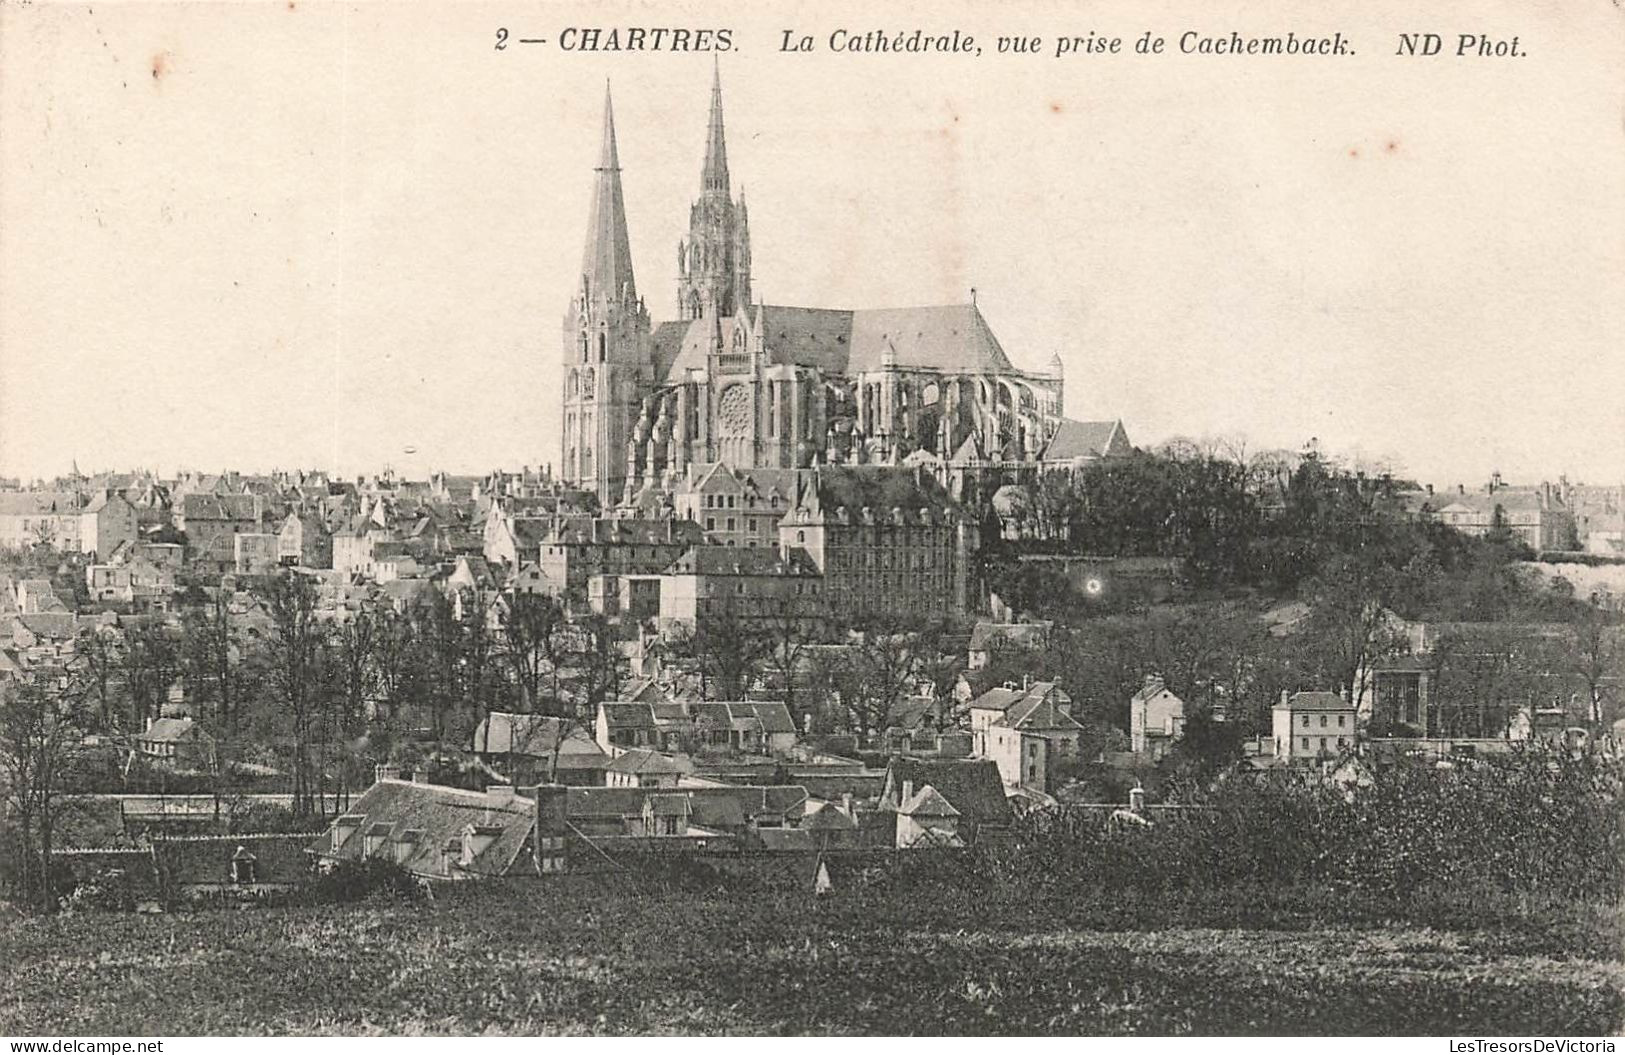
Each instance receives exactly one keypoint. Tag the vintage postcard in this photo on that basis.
(1067, 517)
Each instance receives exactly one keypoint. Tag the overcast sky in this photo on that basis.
(262, 235)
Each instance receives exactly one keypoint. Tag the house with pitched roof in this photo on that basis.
(176, 741)
(1031, 738)
(973, 787)
(1156, 719)
(1308, 726)
(639, 767)
(31, 518)
(925, 818)
(989, 639)
(534, 748)
(107, 520)
(435, 832)
(304, 541)
(992, 705)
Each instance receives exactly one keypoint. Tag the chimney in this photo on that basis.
(1430, 489)
(846, 803)
(386, 772)
(1284, 697)
(908, 793)
(1136, 799)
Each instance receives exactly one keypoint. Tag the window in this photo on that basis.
(1342, 720)
(552, 853)
(1323, 721)
(1323, 743)
(1306, 743)
(710, 523)
(731, 523)
(1342, 742)
(801, 536)
(1306, 725)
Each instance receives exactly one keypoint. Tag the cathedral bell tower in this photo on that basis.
(608, 367)
(713, 264)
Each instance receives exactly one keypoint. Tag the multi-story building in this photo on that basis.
(1536, 515)
(106, 521)
(1313, 725)
(885, 540)
(32, 518)
(716, 582)
(618, 552)
(305, 542)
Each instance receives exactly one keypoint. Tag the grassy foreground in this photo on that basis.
(533, 958)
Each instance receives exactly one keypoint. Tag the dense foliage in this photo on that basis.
(1530, 823)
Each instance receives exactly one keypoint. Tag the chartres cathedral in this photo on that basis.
(761, 386)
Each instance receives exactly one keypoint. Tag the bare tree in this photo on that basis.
(1596, 652)
(533, 632)
(151, 662)
(100, 654)
(40, 723)
(297, 647)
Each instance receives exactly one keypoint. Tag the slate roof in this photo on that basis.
(643, 761)
(773, 717)
(878, 488)
(620, 715)
(972, 786)
(735, 560)
(829, 818)
(590, 804)
(950, 337)
(624, 531)
(1318, 701)
(1004, 697)
(38, 503)
(220, 507)
(928, 802)
(438, 815)
(1085, 439)
(1038, 713)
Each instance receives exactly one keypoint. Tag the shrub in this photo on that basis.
(1532, 822)
(356, 880)
(107, 890)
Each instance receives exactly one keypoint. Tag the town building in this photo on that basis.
(40, 518)
(304, 541)
(435, 832)
(992, 705)
(1313, 725)
(1156, 719)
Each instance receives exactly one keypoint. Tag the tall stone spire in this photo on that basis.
(715, 175)
(713, 265)
(606, 264)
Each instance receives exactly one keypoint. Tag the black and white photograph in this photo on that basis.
(627, 520)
